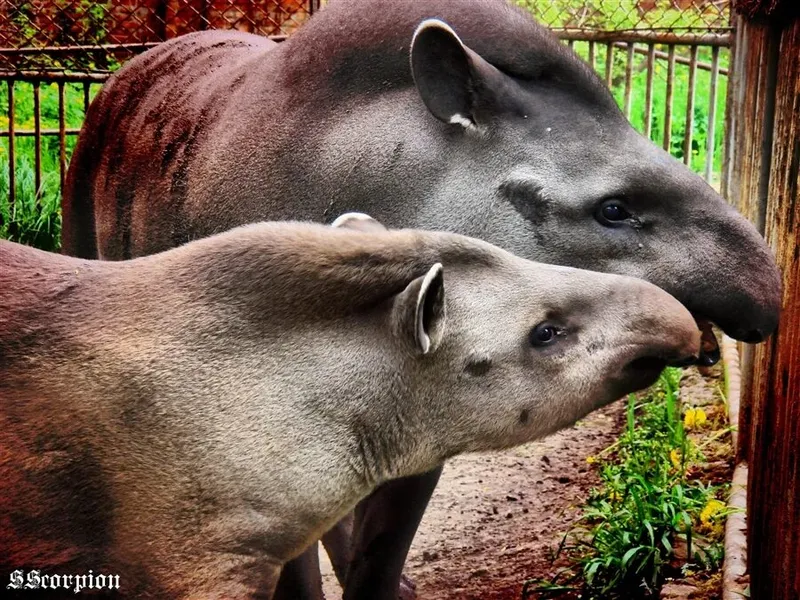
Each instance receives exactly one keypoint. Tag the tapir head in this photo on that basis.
(505, 350)
(561, 163)
(532, 348)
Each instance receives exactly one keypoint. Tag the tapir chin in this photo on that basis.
(453, 115)
(193, 420)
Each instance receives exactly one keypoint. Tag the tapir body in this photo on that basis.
(192, 420)
(478, 121)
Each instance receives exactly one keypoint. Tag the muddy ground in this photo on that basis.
(495, 519)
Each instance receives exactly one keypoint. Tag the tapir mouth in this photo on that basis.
(709, 346)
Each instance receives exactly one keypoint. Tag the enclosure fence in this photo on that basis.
(666, 62)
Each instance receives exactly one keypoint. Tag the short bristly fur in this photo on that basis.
(194, 419)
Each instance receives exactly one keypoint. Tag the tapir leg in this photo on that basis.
(300, 578)
(338, 545)
(384, 528)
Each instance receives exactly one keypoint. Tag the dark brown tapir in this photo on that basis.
(190, 421)
(459, 115)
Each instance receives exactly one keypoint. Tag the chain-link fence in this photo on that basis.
(90, 36)
(681, 17)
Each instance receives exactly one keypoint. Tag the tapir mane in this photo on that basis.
(319, 271)
(363, 45)
(265, 272)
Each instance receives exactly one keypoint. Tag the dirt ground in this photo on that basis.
(495, 519)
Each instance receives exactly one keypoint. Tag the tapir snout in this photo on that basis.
(660, 326)
(661, 332)
(617, 329)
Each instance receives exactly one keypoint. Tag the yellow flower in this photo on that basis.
(710, 511)
(591, 459)
(614, 496)
(675, 457)
(694, 417)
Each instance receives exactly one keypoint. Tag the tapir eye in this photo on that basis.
(612, 213)
(544, 334)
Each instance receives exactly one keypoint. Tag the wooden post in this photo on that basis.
(765, 184)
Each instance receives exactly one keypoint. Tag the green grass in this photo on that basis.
(623, 544)
(35, 217)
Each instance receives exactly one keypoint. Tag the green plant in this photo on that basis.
(34, 216)
(624, 543)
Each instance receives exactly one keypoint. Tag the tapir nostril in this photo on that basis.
(753, 336)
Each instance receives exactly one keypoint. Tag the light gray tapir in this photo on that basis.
(191, 421)
(478, 122)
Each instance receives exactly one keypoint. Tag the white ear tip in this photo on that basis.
(424, 339)
(345, 218)
(435, 24)
(432, 272)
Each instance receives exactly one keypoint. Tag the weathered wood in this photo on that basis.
(765, 182)
(62, 136)
(712, 114)
(628, 81)
(37, 139)
(688, 130)
(749, 154)
(774, 9)
(685, 38)
(648, 103)
(668, 103)
(12, 165)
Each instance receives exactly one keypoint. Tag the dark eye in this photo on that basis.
(612, 212)
(544, 334)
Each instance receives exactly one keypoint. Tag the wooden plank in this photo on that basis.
(648, 102)
(62, 136)
(628, 81)
(688, 129)
(685, 38)
(668, 103)
(774, 480)
(752, 144)
(712, 114)
(37, 140)
(12, 163)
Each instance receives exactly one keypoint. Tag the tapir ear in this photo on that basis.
(418, 313)
(358, 221)
(448, 75)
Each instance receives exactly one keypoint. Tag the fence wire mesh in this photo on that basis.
(91, 36)
(676, 16)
